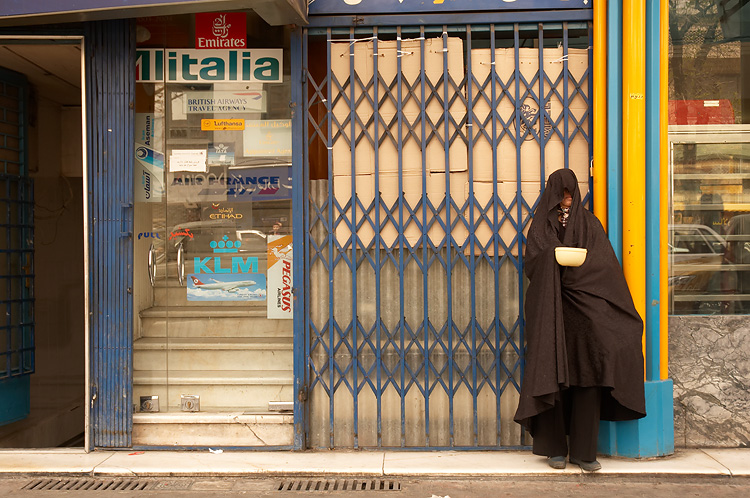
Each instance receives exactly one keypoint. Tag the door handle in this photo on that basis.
(181, 265)
(152, 264)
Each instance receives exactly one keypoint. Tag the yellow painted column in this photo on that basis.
(634, 151)
(600, 111)
(664, 204)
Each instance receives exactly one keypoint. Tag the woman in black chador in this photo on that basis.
(584, 361)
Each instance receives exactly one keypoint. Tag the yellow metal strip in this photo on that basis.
(600, 111)
(664, 201)
(634, 151)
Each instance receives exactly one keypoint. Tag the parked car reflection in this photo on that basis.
(696, 256)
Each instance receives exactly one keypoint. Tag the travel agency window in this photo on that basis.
(709, 139)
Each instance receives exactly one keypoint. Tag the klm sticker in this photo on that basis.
(225, 246)
(210, 66)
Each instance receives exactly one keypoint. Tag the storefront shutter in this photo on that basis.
(110, 89)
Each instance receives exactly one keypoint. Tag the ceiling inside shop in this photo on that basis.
(54, 70)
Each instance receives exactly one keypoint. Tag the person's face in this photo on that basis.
(567, 199)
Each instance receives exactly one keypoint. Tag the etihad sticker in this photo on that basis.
(226, 287)
(222, 124)
(280, 299)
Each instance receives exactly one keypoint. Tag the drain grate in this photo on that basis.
(339, 485)
(86, 485)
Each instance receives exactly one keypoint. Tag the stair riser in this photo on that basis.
(216, 327)
(216, 397)
(193, 359)
(213, 434)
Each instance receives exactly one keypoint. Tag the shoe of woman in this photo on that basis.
(587, 466)
(557, 462)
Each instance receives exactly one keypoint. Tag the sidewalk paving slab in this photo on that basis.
(736, 460)
(51, 461)
(441, 464)
(175, 463)
(454, 463)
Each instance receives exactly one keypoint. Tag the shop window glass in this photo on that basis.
(709, 129)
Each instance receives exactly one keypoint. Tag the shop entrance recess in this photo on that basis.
(212, 349)
(427, 150)
(16, 252)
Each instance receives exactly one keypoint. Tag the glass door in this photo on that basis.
(213, 250)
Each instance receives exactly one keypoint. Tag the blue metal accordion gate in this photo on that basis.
(426, 150)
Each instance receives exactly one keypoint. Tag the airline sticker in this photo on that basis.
(222, 124)
(268, 138)
(226, 287)
(220, 30)
(221, 154)
(224, 102)
(280, 302)
(149, 158)
(253, 65)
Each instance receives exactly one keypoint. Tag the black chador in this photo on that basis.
(582, 330)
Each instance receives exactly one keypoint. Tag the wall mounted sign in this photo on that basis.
(257, 65)
(220, 30)
(222, 102)
(268, 138)
(279, 301)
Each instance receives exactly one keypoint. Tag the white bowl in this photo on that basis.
(570, 256)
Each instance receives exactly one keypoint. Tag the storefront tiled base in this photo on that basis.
(709, 361)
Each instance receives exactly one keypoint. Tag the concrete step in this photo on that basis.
(211, 353)
(222, 321)
(214, 429)
(218, 389)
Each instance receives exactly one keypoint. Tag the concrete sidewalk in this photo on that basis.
(442, 464)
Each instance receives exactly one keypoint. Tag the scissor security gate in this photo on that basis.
(427, 151)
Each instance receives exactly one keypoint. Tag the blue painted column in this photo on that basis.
(614, 125)
(653, 435)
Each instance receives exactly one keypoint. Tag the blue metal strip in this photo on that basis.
(425, 238)
(378, 245)
(401, 240)
(300, 181)
(614, 125)
(472, 242)
(109, 71)
(566, 101)
(494, 118)
(653, 189)
(331, 240)
(456, 18)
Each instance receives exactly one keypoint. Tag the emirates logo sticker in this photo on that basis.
(221, 30)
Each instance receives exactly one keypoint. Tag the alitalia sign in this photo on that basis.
(154, 65)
